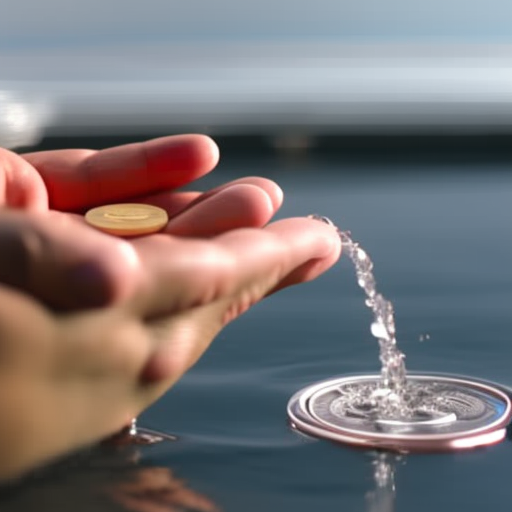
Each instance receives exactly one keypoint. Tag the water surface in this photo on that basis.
(439, 235)
(440, 239)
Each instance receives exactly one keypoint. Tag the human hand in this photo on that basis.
(96, 327)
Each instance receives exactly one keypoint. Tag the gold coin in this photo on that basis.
(127, 219)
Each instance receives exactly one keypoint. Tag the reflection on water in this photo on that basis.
(382, 497)
(110, 477)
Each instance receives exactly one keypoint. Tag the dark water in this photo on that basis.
(439, 234)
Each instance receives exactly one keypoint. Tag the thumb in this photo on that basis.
(61, 262)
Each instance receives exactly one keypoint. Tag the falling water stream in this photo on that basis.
(393, 398)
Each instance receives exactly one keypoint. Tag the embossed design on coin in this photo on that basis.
(437, 413)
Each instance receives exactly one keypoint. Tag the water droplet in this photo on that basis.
(379, 331)
(361, 255)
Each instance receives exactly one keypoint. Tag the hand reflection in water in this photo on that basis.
(154, 489)
(108, 478)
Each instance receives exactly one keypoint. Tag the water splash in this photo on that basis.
(393, 371)
(393, 402)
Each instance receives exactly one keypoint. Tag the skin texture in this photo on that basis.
(94, 328)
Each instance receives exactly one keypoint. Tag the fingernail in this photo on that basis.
(321, 218)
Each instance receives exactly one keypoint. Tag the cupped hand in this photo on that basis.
(94, 328)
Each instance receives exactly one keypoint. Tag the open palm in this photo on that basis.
(94, 328)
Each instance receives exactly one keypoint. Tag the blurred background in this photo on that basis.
(280, 69)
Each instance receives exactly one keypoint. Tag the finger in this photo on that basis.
(20, 185)
(184, 273)
(271, 188)
(233, 207)
(176, 202)
(63, 263)
(300, 239)
(79, 178)
(311, 269)
(172, 202)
